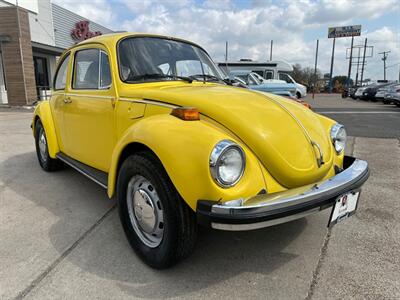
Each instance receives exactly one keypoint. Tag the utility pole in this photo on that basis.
(270, 52)
(384, 57)
(363, 62)
(226, 51)
(315, 69)
(351, 57)
(332, 59)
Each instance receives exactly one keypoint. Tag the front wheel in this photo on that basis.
(159, 225)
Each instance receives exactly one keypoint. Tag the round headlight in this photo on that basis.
(338, 137)
(227, 163)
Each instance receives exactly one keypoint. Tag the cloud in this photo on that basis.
(250, 26)
(99, 11)
(338, 12)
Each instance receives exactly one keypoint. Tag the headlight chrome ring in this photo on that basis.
(338, 137)
(227, 163)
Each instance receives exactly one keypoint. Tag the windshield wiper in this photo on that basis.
(157, 76)
(208, 77)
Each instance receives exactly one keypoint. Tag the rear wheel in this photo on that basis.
(298, 95)
(159, 225)
(385, 102)
(46, 162)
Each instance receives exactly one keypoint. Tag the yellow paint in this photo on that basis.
(275, 132)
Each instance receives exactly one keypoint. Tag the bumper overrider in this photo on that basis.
(270, 209)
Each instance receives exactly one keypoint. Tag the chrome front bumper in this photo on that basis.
(269, 209)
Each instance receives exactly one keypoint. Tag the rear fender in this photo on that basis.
(43, 112)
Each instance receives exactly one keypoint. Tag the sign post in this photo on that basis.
(339, 32)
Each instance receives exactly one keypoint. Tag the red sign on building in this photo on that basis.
(81, 31)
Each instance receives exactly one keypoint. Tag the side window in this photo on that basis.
(86, 69)
(251, 80)
(269, 75)
(283, 76)
(258, 72)
(61, 75)
(165, 68)
(105, 73)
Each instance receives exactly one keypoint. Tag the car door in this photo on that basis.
(89, 112)
(57, 103)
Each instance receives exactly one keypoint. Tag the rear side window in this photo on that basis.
(91, 70)
(61, 75)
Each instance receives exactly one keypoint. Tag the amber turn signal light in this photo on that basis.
(186, 113)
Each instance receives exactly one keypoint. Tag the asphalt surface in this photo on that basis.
(60, 237)
(363, 119)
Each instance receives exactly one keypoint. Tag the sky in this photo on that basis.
(249, 26)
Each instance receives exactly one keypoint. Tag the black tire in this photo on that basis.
(385, 102)
(298, 95)
(46, 162)
(179, 221)
(398, 104)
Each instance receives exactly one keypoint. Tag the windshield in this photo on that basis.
(143, 59)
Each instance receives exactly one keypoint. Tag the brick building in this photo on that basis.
(32, 37)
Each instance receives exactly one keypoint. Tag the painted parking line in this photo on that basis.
(358, 112)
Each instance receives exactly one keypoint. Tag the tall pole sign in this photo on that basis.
(339, 32)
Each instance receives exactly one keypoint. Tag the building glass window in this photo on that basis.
(41, 73)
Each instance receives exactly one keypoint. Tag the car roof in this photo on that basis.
(111, 39)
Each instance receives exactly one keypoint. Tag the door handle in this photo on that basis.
(67, 100)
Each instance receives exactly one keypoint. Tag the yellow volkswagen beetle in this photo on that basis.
(153, 121)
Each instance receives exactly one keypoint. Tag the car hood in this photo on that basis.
(280, 132)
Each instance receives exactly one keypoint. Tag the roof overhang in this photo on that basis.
(47, 49)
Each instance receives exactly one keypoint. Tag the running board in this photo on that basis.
(96, 175)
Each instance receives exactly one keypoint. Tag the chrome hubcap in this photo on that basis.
(145, 211)
(42, 145)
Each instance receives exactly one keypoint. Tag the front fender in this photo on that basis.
(184, 148)
(43, 112)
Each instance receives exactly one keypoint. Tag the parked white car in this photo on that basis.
(301, 90)
(359, 92)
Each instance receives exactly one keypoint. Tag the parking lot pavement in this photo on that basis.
(61, 238)
(361, 118)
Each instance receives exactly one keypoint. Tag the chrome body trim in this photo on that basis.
(81, 171)
(147, 101)
(88, 96)
(268, 209)
(244, 227)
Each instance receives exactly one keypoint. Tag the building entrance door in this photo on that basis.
(3, 89)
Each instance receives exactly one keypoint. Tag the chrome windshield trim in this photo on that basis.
(262, 204)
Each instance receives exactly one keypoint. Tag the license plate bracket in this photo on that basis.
(344, 207)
